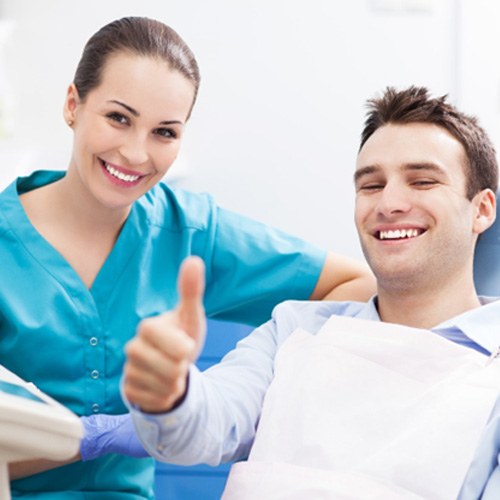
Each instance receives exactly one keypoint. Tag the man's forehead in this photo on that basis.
(411, 146)
(412, 131)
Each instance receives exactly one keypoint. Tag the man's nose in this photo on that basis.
(394, 198)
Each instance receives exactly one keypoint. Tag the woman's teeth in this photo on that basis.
(120, 175)
(396, 234)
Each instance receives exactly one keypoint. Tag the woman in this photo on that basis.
(87, 253)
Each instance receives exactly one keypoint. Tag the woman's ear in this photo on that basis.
(70, 104)
(486, 210)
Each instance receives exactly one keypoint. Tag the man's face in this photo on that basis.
(416, 226)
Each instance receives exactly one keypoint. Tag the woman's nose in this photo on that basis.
(135, 149)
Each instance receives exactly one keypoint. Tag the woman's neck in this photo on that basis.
(80, 229)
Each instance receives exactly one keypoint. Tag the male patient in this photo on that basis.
(390, 399)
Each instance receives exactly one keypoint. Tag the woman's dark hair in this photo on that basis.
(415, 105)
(136, 35)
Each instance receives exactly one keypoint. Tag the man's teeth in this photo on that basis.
(120, 175)
(398, 234)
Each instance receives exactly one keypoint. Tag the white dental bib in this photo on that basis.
(368, 410)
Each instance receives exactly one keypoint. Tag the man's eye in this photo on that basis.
(370, 187)
(166, 132)
(424, 183)
(118, 117)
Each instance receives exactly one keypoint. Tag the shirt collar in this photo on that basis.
(369, 310)
(476, 324)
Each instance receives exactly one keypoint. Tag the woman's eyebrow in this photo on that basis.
(171, 122)
(136, 113)
(126, 106)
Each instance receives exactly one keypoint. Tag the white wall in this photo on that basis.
(275, 131)
(479, 69)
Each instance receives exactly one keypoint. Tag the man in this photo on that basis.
(350, 400)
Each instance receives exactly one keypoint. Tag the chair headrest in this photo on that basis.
(487, 259)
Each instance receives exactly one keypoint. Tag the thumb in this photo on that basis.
(190, 310)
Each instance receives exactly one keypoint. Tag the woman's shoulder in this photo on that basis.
(165, 205)
(12, 213)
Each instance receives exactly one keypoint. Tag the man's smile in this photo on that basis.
(398, 234)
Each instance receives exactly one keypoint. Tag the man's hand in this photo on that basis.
(158, 358)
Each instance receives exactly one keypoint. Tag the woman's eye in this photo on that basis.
(166, 132)
(118, 117)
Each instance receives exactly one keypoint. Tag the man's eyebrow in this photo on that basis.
(433, 167)
(418, 166)
(136, 113)
(361, 172)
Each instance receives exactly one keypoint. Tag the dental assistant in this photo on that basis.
(89, 252)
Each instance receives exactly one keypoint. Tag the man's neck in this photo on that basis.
(425, 310)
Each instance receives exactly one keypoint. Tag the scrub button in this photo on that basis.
(94, 374)
(95, 408)
(93, 341)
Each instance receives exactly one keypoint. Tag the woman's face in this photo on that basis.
(128, 131)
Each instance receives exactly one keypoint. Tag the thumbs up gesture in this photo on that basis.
(159, 356)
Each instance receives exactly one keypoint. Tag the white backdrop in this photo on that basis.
(275, 131)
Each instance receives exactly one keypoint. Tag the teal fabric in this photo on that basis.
(69, 340)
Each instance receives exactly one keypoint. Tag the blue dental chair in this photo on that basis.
(201, 482)
(487, 259)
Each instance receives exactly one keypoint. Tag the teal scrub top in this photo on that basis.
(68, 340)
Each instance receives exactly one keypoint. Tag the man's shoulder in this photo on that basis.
(311, 315)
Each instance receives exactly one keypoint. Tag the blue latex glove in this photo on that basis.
(103, 434)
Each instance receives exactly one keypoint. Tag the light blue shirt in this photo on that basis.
(217, 420)
(68, 340)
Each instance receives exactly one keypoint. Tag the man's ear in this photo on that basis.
(70, 104)
(486, 210)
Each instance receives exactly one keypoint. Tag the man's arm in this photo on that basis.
(216, 419)
(343, 278)
(184, 416)
(160, 355)
(483, 477)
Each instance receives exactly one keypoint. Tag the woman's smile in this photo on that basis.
(121, 176)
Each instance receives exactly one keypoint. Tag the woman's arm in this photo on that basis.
(18, 470)
(344, 278)
(102, 434)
